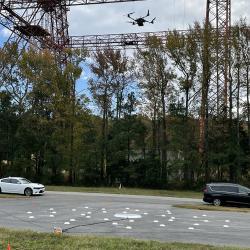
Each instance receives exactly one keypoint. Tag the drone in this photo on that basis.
(141, 20)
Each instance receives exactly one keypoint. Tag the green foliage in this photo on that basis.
(44, 241)
(146, 127)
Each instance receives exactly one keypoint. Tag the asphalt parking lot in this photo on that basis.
(140, 217)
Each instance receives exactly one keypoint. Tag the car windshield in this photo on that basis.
(244, 189)
(25, 181)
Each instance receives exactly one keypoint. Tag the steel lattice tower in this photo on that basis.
(219, 17)
(56, 23)
(216, 77)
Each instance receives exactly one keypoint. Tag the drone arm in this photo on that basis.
(148, 14)
(131, 17)
(153, 20)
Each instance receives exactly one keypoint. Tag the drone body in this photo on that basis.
(141, 20)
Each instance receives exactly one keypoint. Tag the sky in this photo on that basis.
(99, 19)
(112, 19)
(170, 14)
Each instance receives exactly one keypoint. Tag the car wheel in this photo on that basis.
(217, 202)
(28, 192)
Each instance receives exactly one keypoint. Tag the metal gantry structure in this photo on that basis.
(44, 23)
(219, 16)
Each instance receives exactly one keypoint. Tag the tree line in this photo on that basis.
(141, 123)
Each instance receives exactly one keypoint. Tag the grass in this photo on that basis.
(7, 196)
(129, 191)
(20, 240)
(214, 208)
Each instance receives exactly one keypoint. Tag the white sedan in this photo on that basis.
(19, 185)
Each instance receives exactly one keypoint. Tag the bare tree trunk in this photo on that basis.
(154, 129)
(187, 170)
(159, 134)
(248, 105)
(203, 143)
(39, 163)
(119, 98)
(187, 101)
(128, 144)
(238, 124)
(164, 140)
(117, 106)
(105, 148)
(230, 128)
(144, 147)
(71, 161)
(104, 160)
(104, 140)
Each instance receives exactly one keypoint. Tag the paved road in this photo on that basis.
(140, 217)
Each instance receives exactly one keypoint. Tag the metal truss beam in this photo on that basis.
(22, 4)
(117, 41)
(130, 40)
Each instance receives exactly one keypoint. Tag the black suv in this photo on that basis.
(218, 193)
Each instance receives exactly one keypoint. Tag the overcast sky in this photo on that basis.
(112, 18)
(170, 14)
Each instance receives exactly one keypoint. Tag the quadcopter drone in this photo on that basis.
(141, 20)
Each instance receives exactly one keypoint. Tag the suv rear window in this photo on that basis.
(243, 190)
(6, 180)
(231, 189)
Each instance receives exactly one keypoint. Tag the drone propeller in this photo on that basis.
(153, 20)
(129, 14)
(148, 14)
